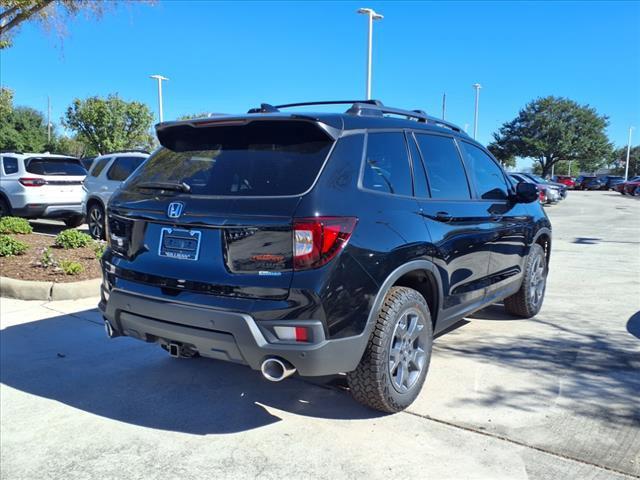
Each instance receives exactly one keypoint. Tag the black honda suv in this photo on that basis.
(319, 243)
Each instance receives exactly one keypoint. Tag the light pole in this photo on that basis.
(372, 16)
(477, 86)
(159, 78)
(626, 168)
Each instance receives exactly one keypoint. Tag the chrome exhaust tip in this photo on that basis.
(276, 370)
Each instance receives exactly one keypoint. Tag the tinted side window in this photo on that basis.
(486, 174)
(447, 179)
(10, 165)
(97, 170)
(122, 167)
(387, 164)
(419, 175)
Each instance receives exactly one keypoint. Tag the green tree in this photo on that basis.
(23, 129)
(108, 124)
(551, 130)
(52, 14)
(620, 160)
(6, 103)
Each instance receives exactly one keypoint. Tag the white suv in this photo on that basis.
(105, 176)
(41, 185)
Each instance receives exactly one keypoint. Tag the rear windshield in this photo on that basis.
(257, 159)
(55, 166)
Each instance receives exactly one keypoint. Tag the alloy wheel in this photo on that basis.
(407, 355)
(96, 223)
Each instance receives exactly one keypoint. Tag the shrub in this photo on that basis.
(69, 267)
(15, 225)
(99, 248)
(10, 246)
(47, 260)
(72, 238)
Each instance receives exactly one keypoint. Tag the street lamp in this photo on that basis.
(626, 168)
(159, 78)
(477, 86)
(372, 16)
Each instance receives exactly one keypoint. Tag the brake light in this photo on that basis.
(32, 182)
(317, 240)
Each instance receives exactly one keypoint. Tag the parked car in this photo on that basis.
(630, 186)
(609, 182)
(41, 185)
(560, 187)
(583, 180)
(566, 180)
(547, 195)
(105, 177)
(304, 242)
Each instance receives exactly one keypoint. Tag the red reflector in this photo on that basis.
(317, 240)
(301, 334)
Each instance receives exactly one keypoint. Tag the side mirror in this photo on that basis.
(526, 192)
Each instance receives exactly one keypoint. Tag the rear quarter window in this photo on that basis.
(122, 167)
(10, 165)
(386, 166)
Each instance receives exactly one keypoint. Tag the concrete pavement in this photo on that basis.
(553, 397)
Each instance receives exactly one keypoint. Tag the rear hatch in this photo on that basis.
(59, 180)
(212, 210)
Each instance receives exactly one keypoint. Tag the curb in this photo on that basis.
(32, 290)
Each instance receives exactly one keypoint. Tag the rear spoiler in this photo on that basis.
(183, 135)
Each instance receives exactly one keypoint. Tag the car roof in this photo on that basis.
(35, 154)
(128, 153)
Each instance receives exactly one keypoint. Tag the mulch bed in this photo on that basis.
(27, 266)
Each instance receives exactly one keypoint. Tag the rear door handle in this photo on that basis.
(443, 216)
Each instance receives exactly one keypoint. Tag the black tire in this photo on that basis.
(95, 221)
(374, 383)
(526, 303)
(75, 221)
(5, 208)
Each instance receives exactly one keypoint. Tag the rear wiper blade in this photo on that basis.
(177, 186)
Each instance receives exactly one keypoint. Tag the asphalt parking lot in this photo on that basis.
(554, 397)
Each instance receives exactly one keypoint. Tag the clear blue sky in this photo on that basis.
(227, 57)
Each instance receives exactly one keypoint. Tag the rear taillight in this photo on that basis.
(542, 196)
(32, 182)
(317, 240)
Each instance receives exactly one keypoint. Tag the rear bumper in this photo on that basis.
(227, 335)
(48, 211)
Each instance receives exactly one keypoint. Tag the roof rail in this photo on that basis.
(268, 108)
(128, 150)
(365, 108)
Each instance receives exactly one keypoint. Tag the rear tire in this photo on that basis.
(526, 303)
(75, 221)
(395, 363)
(5, 208)
(95, 221)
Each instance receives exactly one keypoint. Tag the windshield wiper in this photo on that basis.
(177, 186)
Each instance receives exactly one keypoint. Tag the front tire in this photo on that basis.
(395, 363)
(527, 302)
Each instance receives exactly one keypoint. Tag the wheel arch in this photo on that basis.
(420, 275)
(543, 238)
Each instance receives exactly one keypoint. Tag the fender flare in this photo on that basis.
(391, 280)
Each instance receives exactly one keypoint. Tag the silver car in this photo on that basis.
(105, 176)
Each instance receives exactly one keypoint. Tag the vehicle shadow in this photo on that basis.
(70, 360)
(53, 227)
